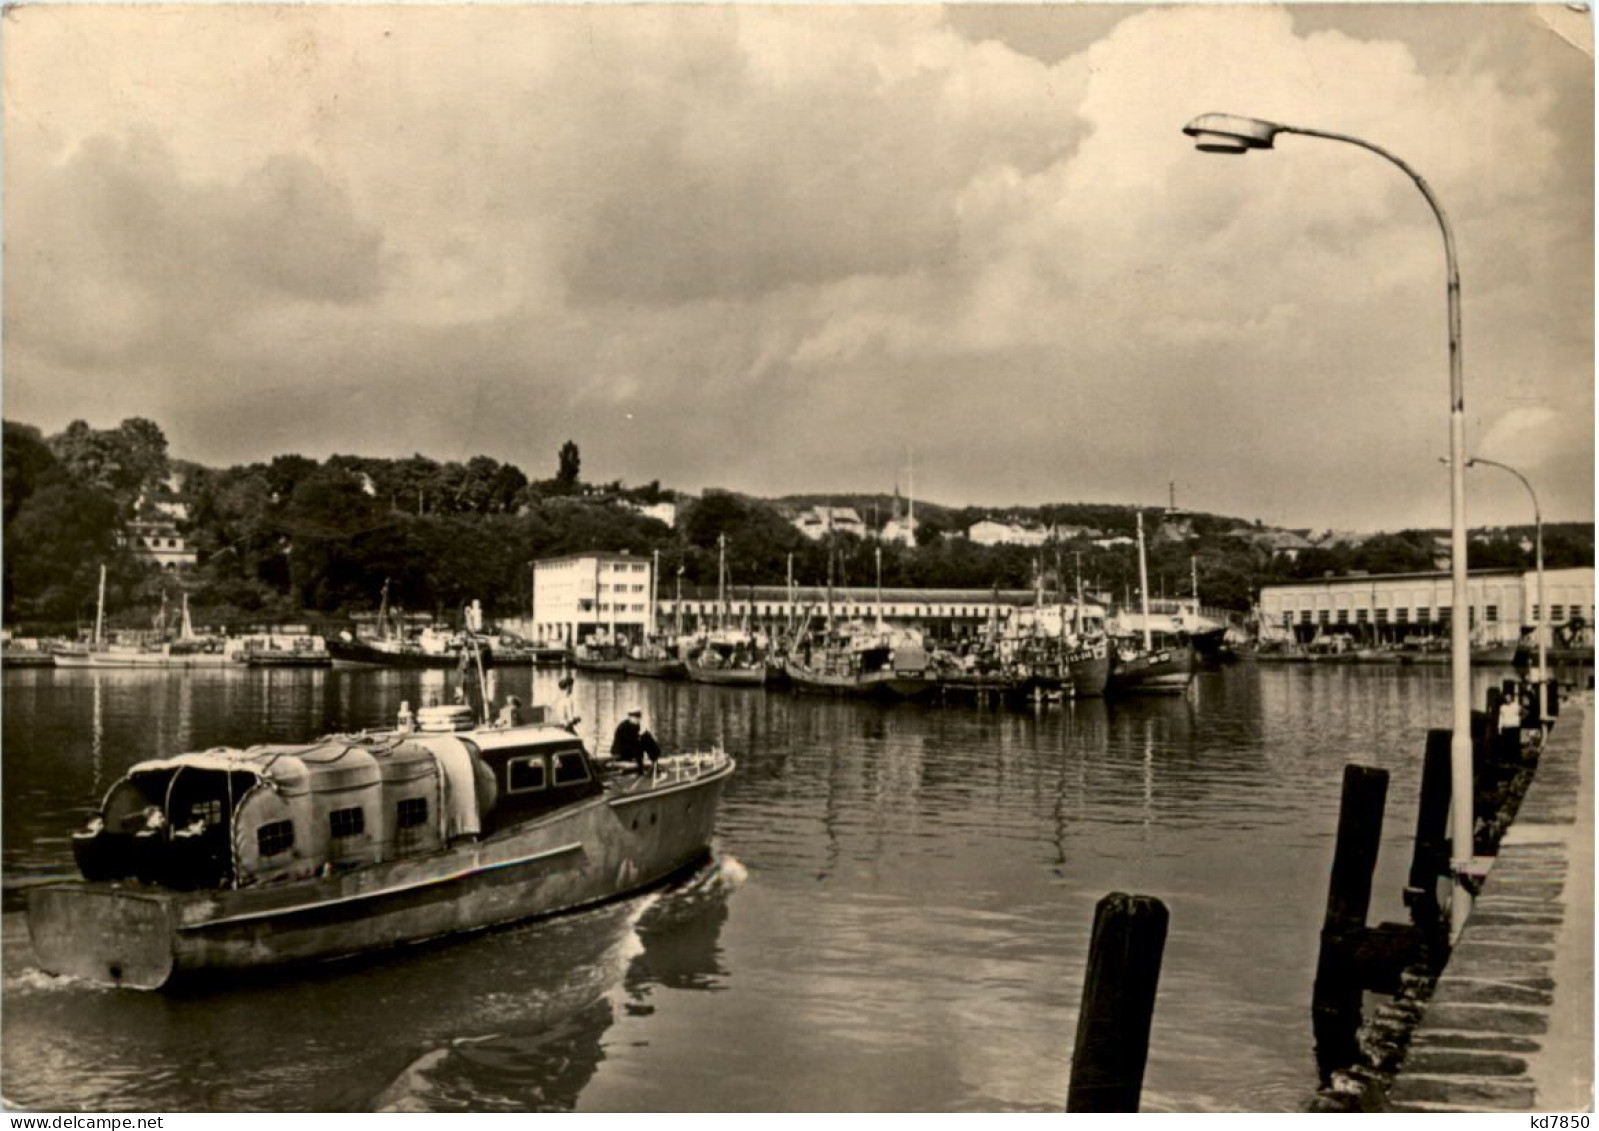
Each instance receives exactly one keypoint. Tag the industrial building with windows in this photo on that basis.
(1394, 607)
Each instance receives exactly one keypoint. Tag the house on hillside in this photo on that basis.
(990, 532)
(817, 522)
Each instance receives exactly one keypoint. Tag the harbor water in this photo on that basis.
(896, 915)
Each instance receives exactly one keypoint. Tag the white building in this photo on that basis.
(945, 613)
(663, 511)
(158, 541)
(900, 530)
(1393, 606)
(820, 521)
(991, 533)
(593, 595)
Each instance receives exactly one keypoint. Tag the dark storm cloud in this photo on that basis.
(115, 254)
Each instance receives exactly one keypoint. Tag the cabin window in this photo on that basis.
(1493, 614)
(569, 768)
(1343, 616)
(411, 812)
(275, 838)
(208, 811)
(525, 775)
(347, 822)
(1557, 613)
(1423, 615)
(1304, 616)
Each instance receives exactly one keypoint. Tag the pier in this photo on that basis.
(1509, 1027)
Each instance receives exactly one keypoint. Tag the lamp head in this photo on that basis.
(1228, 133)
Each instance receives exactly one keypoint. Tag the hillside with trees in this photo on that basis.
(296, 539)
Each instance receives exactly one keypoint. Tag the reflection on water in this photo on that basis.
(899, 920)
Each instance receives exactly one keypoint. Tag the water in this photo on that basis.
(897, 917)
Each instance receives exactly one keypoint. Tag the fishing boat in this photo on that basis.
(859, 659)
(393, 647)
(1088, 664)
(600, 655)
(657, 657)
(654, 661)
(282, 652)
(1158, 667)
(862, 660)
(235, 860)
(726, 655)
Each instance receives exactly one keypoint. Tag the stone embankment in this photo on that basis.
(1509, 1023)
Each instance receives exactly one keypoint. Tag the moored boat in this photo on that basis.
(599, 656)
(1162, 669)
(233, 860)
(1088, 665)
(1163, 664)
(654, 661)
(862, 662)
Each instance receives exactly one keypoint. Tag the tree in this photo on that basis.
(566, 478)
(27, 462)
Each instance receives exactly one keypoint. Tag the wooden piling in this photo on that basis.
(1118, 1004)
(1429, 858)
(1336, 996)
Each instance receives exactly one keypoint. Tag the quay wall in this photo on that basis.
(1509, 1027)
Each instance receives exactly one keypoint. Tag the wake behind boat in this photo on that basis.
(233, 860)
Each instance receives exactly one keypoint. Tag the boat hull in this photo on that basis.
(346, 654)
(1089, 670)
(886, 683)
(1168, 671)
(288, 660)
(656, 669)
(727, 677)
(127, 934)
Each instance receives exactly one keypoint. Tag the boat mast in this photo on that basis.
(721, 581)
(879, 589)
(829, 585)
(1193, 581)
(99, 609)
(1143, 582)
(677, 605)
(1077, 611)
(655, 575)
(790, 593)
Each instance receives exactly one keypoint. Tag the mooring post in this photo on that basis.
(1336, 997)
(1118, 1004)
(1429, 858)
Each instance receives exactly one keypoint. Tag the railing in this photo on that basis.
(678, 768)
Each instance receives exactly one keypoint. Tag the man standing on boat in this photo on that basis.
(566, 706)
(633, 743)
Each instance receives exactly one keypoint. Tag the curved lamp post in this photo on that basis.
(1543, 609)
(1228, 133)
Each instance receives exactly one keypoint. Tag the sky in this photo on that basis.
(788, 249)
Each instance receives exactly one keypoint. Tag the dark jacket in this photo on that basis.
(631, 744)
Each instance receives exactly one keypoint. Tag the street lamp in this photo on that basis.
(1537, 519)
(1228, 133)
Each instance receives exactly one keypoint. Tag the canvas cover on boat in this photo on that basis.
(289, 812)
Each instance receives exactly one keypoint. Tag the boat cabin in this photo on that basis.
(269, 814)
